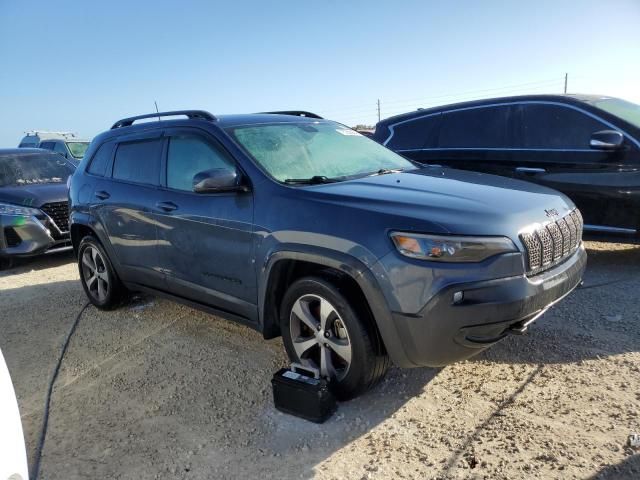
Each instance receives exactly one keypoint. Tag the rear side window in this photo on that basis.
(189, 155)
(138, 161)
(416, 134)
(486, 127)
(556, 127)
(101, 159)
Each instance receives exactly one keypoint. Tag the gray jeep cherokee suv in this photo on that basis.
(300, 227)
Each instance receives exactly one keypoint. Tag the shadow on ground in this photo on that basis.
(596, 320)
(42, 262)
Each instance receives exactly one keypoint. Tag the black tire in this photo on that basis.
(106, 291)
(366, 367)
(6, 263)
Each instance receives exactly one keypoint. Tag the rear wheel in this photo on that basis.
(98, 278)
(321, 329)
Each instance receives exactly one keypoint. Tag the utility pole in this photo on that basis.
(566, 77)
(379, 108)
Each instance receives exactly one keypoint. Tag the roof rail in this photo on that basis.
(126, 122)
(46, 132)
(297, 113)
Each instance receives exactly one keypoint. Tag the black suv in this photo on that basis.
(302, 227)
(587, 147)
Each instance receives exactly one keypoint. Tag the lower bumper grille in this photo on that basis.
(12, 239)
(551, 243)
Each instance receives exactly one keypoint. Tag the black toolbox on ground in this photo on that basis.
(306, 396)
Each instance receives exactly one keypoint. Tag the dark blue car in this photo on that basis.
(301, 227)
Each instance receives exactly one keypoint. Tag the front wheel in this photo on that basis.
(98, 278)
(321, 329)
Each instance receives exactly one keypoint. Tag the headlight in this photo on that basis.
(17, 210)
(441, 248)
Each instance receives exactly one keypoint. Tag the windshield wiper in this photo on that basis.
(384, 171)
(315, 180)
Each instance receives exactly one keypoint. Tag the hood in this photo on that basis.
(34, 195)
(443, 200)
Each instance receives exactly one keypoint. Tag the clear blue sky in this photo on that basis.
(80, 65)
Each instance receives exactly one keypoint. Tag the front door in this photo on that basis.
(555, 151)
(205, 241)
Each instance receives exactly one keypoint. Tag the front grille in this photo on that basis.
(12, 239)
(59, 213)
(552, 242)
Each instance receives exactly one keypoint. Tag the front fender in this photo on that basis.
(349, 265)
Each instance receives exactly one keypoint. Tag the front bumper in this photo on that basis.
(22, 236)
(444, 332)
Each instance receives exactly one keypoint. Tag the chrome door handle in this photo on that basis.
(530, 170)
(167, 206)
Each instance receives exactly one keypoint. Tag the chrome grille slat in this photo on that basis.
(556, 236)
(553, 242)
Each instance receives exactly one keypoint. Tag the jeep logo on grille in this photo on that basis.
(552, 212)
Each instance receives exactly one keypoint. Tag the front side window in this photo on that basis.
(59, 148)
(138, 161)
(77, 149)
(289, 151)
(189, 155)
(46, 145)
(33, 169)
(556, 127)
(485, 127)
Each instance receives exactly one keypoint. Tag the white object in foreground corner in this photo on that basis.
(13, 456)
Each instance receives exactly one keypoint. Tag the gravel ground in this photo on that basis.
(158, 390)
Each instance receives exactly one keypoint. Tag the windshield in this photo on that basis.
(290, 151)
(630, 112)
(77, 149)
(32, 169)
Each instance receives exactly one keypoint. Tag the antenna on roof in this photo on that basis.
(157, 111)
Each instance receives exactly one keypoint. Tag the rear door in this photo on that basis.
(553, 141)
(478, 139)
(205, 240)
(125, 206)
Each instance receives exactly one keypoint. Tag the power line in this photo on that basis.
(361, 107)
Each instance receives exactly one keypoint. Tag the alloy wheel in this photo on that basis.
(94, 273)
(320, 337)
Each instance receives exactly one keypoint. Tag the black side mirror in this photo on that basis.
(218, 180)
(606, 140)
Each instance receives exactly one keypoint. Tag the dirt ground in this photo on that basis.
(157, 390)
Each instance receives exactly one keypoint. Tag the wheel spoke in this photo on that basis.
(326, 366)
(91, 280)
(301, 345)
(341, 347)
(102, 292)
(88, 261)
(326, 309)
(301, 310)
(94, 255)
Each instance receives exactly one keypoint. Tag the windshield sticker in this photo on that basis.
(346, 131)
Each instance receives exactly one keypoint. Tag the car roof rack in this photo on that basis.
(297, 113)
(201, 114)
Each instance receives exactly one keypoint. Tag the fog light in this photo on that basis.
(458, 297)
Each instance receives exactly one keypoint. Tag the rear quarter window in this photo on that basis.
(100, 160)
(416, 134)
(138, 162)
